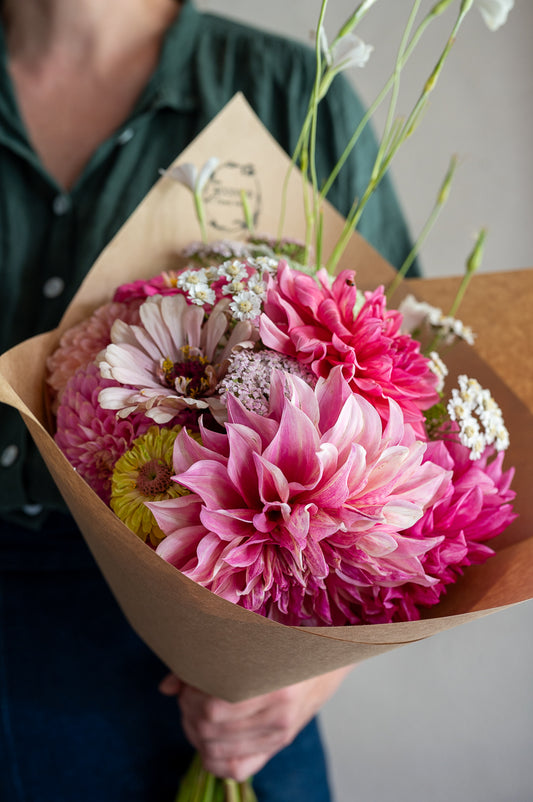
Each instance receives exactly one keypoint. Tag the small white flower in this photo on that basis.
(457, 409)
(255, 284)
(201, 294)
(495, 12)
(348, 51)
(245, 305)
(439, 369)
(233, 287)
(265, 263)
(502, 439)
(190, 278)
(470, 431)
(415, 313)
(233, 270)
(188, 175)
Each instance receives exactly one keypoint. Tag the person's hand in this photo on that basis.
(235, 740)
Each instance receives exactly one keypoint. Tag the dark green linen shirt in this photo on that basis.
(49, 238)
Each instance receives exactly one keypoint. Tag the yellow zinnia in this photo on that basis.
(144, 474)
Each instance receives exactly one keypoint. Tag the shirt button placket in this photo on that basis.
(9, 455)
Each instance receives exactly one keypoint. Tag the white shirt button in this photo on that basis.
(9, 456)
(125, 136)
(53, 287)
(32, 509)
(62, 204)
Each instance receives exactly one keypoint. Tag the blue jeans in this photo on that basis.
(81, 717)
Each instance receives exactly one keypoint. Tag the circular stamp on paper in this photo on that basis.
(223, 197)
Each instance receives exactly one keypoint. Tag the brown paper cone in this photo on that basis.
(208, 642)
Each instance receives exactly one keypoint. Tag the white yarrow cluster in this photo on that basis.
(245, 284)
(479, 417)
(417, 313)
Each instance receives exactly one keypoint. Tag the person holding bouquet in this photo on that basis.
(95, 98)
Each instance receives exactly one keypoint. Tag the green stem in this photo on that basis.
(397, 141)
(352, 21)
(472, 265)
(430, 222)
(232, 791)
(396, 81)
(438, 9)
(199, 206)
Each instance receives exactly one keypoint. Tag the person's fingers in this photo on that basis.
(235, 768)
(170, 685)
(237, 739)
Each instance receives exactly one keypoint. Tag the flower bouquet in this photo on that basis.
(278, 435)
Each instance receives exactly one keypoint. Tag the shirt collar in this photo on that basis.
(173, 84)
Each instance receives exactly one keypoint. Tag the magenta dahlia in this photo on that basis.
(476, 507)
(317, 324)
(93, 438)
(313, 495)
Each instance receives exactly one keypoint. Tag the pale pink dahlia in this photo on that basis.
(174, 360)
(311, 496)
(316, 323)
(80, 344)
(93, 438)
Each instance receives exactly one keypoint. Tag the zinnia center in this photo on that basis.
(188, 375)
(153, 478)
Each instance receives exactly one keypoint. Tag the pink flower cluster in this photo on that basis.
(316, 495)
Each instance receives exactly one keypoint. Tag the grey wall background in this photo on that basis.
(450, 718)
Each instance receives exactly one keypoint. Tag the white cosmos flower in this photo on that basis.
(188, 175)
(495, 12)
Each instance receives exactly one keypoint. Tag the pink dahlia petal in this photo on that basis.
(93, 438)
(315, 323)
(284, 515)
(81, 344)
(475, 507)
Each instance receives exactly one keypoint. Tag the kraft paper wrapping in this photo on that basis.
(209, 642)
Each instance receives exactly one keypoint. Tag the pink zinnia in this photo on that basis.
(162, 284)
(173, 361)
(316, 323)
(80, 344)
(313, 494)
(93, 438)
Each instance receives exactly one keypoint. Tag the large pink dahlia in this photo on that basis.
(173, 361)
(285, 504)
(317, 324)
(93, 438)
